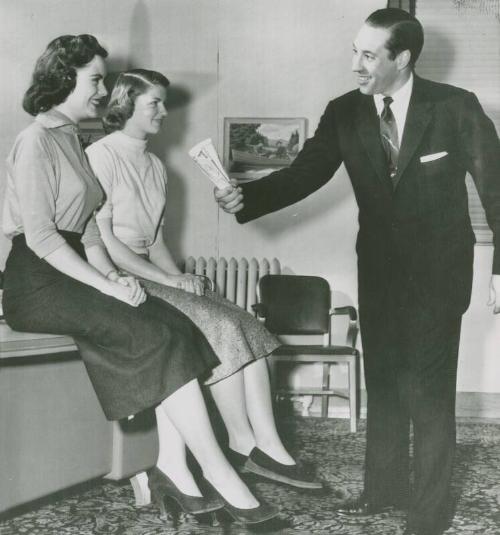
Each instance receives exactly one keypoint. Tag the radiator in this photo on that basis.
(235, 280)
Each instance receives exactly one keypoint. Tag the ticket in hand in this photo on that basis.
(205, 155)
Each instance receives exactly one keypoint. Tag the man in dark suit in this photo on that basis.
(407, 157)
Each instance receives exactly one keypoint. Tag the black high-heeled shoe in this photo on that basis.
(161, 487)
(262, 513)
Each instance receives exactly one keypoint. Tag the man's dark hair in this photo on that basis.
(54, 77)
(406, 31)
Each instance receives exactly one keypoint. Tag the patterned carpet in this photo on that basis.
(108, 508)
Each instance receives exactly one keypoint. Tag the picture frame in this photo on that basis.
(256, 146)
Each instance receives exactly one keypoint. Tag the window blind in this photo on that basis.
(462, 48)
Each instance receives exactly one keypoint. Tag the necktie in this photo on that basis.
(389, 134)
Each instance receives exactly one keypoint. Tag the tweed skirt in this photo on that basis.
(135, 356)
(236, 337)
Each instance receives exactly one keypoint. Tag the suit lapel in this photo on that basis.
(417, 119)
(368, 129)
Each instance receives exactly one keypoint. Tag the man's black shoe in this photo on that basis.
(360, 507)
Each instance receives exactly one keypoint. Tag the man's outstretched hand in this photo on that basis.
(230, 199)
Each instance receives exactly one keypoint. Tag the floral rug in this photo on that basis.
(108, 508)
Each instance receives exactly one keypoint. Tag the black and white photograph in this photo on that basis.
(250, 267)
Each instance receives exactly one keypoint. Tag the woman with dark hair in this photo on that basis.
(139, 352)
(131, 225)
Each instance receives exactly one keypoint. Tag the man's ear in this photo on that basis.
(403, 59)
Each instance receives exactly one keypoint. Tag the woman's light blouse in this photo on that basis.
(134, 181)
(50, 186)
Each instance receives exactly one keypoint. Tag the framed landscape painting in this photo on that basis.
(254, 147)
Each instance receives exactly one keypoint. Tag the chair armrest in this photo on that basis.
(345, 311)
(259, 309)
(352, 329)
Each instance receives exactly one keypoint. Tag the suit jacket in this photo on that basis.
(415, 242)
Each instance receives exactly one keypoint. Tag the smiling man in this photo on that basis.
(407, 144)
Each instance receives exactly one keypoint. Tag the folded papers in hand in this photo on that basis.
(205, 155)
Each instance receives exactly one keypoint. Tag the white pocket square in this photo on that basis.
(432, 157)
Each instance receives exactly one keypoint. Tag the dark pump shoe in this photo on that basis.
(262, 513)
(162, 488)
(360, 507)
(238, 460)
(259, 463)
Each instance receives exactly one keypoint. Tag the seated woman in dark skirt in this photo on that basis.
(139, 351)
(131, 225)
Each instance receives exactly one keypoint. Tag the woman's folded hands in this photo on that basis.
(126, 289)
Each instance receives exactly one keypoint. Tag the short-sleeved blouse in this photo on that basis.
(134, 181)
(50, 186)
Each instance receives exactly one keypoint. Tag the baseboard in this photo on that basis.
(478, 405)
(469, 405)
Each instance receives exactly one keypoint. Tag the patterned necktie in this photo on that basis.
(389, 134)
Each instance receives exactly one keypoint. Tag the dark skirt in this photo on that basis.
(135, 356)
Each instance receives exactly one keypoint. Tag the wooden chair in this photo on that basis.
(301, 305)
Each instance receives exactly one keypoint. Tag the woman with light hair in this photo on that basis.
(131, 222)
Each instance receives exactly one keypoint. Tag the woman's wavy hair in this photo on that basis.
(54, 77)
(129, 85)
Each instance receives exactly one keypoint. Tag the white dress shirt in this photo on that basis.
(399, 106)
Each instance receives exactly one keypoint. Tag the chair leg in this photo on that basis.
(139, 484)
(353, 409)
(307, 402)
(325, 386)
(272, 365)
